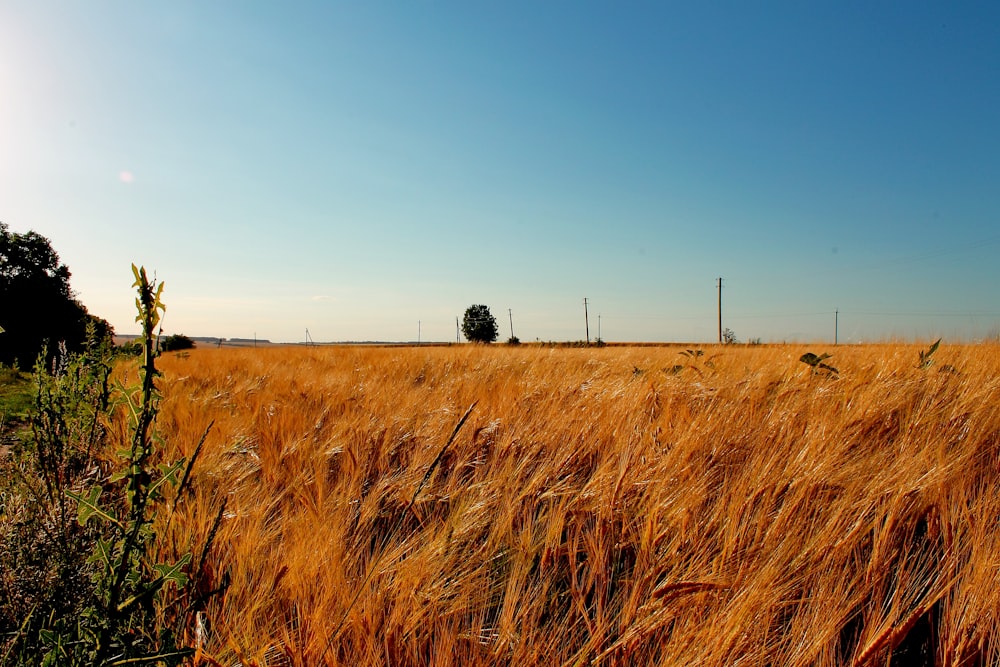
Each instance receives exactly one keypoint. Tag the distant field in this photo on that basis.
(614, 506)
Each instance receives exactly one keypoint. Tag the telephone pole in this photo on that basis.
(719, 284)
(586, 319)
(511, 317)
(836, 325)
(458, 335)
(418, 332)
(599, 328)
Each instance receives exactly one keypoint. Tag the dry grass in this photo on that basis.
(595, 509)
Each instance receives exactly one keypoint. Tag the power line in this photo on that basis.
(923, 314)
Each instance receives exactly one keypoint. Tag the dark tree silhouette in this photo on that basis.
(479, 325)
(176, 342)
(37, 306)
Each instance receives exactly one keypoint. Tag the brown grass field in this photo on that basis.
(597, 507)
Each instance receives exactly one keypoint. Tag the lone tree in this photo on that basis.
(176, 342)
(36, 303)
(479, 325)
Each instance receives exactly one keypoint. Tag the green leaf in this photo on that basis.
(170, 471)
(89, 507)
(816, 361)
(168, 573)
(159, 302)
(810, 358)
(168, 474)
(173, 573)
(104, 551)
(925, 360)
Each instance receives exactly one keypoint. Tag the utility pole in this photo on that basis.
(458, 335)
(719, 283)
(511, 316)
(586, 319)
(836, 325)
(418, 332)
(599, 327)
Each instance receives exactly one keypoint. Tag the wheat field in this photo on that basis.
(599, 506)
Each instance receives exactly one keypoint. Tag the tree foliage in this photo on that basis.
(38, 305)
(176, 342)
(479, 325)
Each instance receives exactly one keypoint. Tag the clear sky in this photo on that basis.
(356, 168)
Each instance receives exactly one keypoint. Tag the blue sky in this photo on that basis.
(356, 168)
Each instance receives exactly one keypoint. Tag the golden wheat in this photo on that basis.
(599, 507)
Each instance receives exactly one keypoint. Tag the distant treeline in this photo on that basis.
(205, 340)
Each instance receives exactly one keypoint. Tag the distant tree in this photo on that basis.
(102, 329)
(728, 337)
(38, 305)
(176, 342)
(479, 325)
(130, 348)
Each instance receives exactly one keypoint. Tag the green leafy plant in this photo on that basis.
(127, 583)
(15, 394)
(694, 362)
(815, 361)
(103, 595)
(925, 361)
(47, 585)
